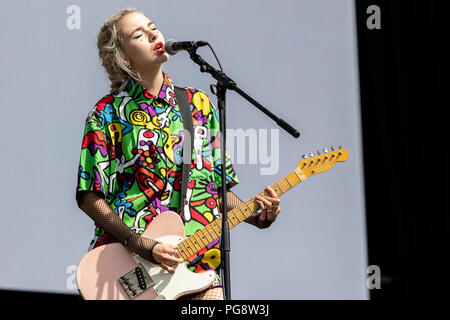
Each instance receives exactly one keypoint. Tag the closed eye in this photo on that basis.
(141, 34)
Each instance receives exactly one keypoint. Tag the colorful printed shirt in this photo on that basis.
(132, 152)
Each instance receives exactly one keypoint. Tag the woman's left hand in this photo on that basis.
(270, 208)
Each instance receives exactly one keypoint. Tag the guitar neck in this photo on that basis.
(249, 207)
(211, 232)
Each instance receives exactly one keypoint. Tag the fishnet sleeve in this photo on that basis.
(95, 206)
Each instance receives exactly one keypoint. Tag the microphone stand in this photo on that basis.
(224, 83)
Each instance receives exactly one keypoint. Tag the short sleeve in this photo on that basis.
(94, 165)
(215, 134)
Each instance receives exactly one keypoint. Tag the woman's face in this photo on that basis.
(142, 42)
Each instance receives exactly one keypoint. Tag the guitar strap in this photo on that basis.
(186, 116)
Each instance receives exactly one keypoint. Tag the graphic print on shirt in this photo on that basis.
(132, 152)
(187, 201)
(199, 136)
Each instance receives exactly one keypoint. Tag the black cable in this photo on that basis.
(217, 59)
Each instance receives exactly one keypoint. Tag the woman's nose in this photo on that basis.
(153, 35)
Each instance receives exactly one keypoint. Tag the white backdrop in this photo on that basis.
(298, 58)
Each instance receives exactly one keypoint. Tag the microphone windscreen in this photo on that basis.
(168, 46)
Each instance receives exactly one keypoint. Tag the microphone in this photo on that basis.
(172, 46)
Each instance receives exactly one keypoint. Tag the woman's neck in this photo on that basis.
(152, 80)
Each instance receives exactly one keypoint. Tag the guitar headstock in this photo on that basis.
(313, 164)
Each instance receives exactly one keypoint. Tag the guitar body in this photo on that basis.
(100, 269)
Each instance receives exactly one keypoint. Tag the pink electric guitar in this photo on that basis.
(113, 272)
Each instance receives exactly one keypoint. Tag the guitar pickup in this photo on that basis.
(136, 281)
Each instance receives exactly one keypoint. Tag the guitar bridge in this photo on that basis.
(136, 281)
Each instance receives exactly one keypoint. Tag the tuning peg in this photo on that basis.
(325, 150)
(340, 146)
(304, 156)
(318, 153)
(311, 154)
(332, 148)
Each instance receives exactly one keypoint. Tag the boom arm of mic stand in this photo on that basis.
(226, 81)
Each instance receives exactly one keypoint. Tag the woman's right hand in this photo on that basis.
(167, 255)
(164, 254)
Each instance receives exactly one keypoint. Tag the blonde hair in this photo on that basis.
(111, 54)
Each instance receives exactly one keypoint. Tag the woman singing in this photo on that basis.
(130, 164)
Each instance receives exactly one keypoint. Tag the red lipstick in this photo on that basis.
(159, 47)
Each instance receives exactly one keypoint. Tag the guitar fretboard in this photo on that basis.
(211, 232)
